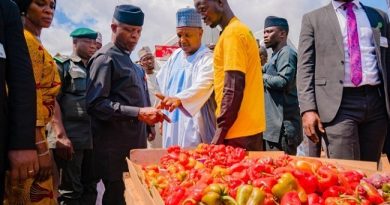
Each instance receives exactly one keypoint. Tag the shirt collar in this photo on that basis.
(338, 4)
(194, 55)
(75, 58)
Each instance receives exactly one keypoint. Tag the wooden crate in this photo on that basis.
(137, 192)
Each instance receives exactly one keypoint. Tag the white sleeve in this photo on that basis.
(195, 97)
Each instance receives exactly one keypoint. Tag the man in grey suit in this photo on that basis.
(342, 78)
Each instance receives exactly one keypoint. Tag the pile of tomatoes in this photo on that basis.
(218, 174)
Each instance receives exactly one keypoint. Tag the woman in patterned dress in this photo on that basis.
(38, 14)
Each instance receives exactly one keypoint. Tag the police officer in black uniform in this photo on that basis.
(71, 123)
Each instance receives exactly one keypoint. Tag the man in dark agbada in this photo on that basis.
(118, 102)
(279, 75)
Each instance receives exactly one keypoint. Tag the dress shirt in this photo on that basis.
(370, 69)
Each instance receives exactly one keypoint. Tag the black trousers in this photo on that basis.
(114, 192)
(359, 128)
(77, 180)
(282, 145)
(250, 143)
(2, 184)
(289, 140)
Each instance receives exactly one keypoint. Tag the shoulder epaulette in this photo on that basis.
(61, 58)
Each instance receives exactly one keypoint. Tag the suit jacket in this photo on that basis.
(116, 91)
(17, 108)
(320, 72)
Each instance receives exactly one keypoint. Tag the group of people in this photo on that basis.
(67, 122)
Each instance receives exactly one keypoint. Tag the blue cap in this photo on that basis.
(129, 14)
(84, 33)
(275, 21)
(188, 17)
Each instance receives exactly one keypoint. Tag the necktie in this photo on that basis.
(355, 58)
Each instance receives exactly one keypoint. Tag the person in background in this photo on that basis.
(18, 153)
(186, 84)
(342, 78)
(99, 40)
(146, 60)
(237, 78)
(71, 124)
(263, 55)
(37, 15)
(284, 128)
(118, 103)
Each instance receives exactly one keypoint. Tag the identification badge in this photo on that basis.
(2, 51)
(384, 42)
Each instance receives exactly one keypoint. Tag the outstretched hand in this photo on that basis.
(151, 115)
(168, 103)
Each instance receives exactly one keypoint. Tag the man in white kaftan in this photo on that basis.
(186, 83)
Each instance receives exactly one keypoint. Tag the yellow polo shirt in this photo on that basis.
(237, 50)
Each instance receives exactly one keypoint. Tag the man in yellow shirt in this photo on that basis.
(237, 78)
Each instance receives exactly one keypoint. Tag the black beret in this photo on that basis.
(129, 14)
(24, 4)
(275, 21)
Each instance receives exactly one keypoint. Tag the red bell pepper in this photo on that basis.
(291, 198)
(266, 160)
(314, 199)
(269, 199)
(350, 179)
(334, 191)
(239, 171)
(307, 181)
(174, 149)
(183, 158)
(282, 161)
(256, 171)
(281, 170)
(238, 167)
(326, 178)
(372, 193)
(266, 183)
(233, 184)
(195, 193)
(176, 196)
(353, 175)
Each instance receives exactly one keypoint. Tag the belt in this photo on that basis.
(363, 90)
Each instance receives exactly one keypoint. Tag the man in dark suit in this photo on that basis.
(342, 78)
(17, 99)
(118, 103)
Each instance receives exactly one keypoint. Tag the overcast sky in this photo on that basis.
(159, 23)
